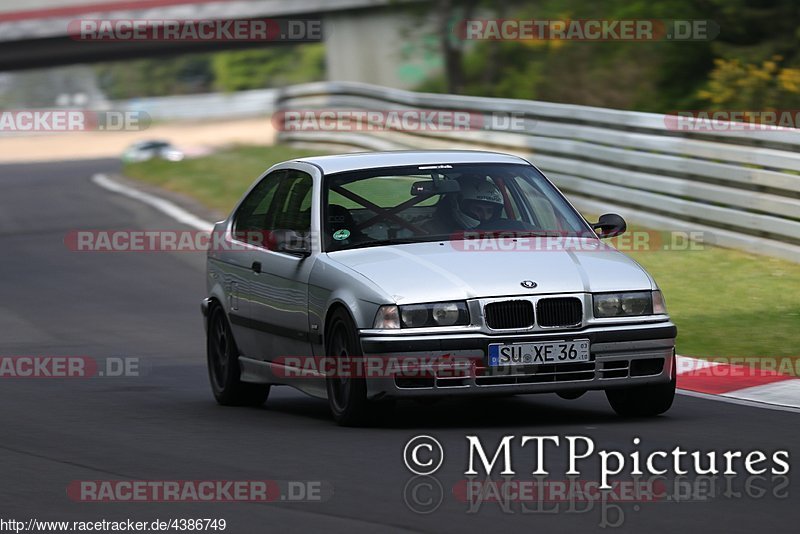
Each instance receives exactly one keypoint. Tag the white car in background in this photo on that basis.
(152, 149)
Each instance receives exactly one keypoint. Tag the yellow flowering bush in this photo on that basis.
(736, 85)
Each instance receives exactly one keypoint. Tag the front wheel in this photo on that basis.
(642, 401)
(223, 366)
(347, 395)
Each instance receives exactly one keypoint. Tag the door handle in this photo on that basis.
(256, 266)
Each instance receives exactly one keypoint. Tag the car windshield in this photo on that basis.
(148, 145)
(441, 202)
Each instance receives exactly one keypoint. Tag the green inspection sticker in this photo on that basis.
(341, 235)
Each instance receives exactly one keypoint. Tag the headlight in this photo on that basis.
(414, 316)
(623, 304)
(659, 305)
(422, 315)
(387, 317)
(448, 313)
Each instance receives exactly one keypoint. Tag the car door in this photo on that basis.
(278, 281)
(247, 229)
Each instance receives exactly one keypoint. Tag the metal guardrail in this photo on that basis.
(242, 104)
(740, 188)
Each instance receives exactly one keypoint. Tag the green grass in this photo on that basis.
(726, 303)
(218, 180)
(729, 303)
(382, 191)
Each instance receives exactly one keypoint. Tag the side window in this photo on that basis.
(281, 201)
(293, 203)
(252, 215)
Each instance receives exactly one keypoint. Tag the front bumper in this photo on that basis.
(620, 356)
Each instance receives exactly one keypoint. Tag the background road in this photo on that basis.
(166, 425)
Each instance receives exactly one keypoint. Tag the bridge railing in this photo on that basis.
(740, 188)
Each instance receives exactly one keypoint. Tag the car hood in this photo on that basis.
(436, 271)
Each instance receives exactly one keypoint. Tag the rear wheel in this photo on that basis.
(223, 366)
(642, 401)
(347, 395)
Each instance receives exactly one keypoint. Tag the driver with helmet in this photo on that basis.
(479, 202)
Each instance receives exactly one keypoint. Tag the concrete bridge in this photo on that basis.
(375, 41)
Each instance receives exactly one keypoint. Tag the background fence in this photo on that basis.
(740, 188)
(242, 104)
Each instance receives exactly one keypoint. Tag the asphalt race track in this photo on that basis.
(165, 425)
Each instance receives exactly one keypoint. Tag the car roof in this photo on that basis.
(398, 158)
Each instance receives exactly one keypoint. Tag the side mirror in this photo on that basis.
(610, 225)
(292, 242)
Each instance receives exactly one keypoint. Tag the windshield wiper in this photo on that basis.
(384, 242)
(506, 234)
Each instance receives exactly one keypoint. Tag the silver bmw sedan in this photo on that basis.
(365, 278)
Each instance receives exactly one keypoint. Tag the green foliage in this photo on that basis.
(202, 73)
(658, 76)
(754, 62)
(735, 85)
(268, 67)
(156, 77)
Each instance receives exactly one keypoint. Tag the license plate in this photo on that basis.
(537, 353)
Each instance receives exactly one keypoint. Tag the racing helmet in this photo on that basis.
(477, 195)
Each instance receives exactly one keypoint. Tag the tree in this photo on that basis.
(185, 74)
(269, 67)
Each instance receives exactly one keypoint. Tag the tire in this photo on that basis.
(642, 401)
(223, 366)
(347, 396)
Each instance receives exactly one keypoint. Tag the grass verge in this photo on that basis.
(728, 303)
(217, 180)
